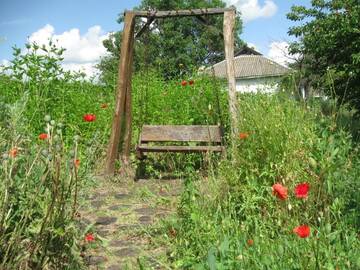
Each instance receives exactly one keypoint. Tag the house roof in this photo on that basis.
(251, 66)
(246, 50)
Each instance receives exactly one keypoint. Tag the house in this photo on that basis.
(253, 72)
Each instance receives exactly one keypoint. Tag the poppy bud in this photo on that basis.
(58, 147)
(312, 163)
(76, 138)
(72, 153)
(47, 118)
(44, 153)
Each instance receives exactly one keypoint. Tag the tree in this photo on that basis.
(173, 45)
(329, 41)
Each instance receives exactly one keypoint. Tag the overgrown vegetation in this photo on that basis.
(233, 220)
(39, 190)
(46, 143)
(52, 125)
(287, 197)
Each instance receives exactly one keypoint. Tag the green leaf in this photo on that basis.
(211, 259)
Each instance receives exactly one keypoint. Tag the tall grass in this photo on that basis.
(38, 196)
(233, 220)
(45, 147)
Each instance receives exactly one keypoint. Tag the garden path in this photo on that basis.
(123, 217)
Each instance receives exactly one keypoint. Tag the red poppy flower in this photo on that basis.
(302, 231)
(184, 83)
(13, 152)
(250, 242)
(77, 163)
(89, 117)
(43, 136)
(89, 237)
(191, 82)
(104, 106)
(243, 135)
(280, 191)
(301, 190)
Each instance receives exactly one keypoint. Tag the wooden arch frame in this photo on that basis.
(121, 125)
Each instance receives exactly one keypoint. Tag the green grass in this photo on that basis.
(288, 143)
(226, 202)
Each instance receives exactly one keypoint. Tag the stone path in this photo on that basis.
(121, 216)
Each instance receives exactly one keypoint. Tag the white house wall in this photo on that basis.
(264, 85)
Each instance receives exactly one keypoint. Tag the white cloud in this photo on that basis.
(82, 51)
(279, 52)
(3, 64)
(252, 9)
(87, 68)
(42, 35)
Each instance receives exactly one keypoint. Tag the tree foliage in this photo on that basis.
(173, 45)
(328, 35)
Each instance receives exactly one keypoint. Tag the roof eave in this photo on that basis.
(261, 76)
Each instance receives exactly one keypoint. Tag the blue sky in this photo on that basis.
(81, 25)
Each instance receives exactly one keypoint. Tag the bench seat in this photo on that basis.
(209, 139)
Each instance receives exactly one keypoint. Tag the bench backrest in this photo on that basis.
(180, 133)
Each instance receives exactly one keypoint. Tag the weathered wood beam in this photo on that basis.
(179, 148)
(145, 27)
(229, 24)
(179, 13)
(123, 81)
(180, 133)
(128, 113)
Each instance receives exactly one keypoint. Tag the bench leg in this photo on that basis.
(140, 155)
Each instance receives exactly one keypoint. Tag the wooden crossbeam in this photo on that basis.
(181, 13)
(145, 27)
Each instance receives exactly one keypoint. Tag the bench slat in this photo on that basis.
(180, 133)
(180, 149)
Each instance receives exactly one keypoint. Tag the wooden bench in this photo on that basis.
(208, 139)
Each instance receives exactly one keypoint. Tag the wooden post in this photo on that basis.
(122, 86)
(128, 114)
(229, 24)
